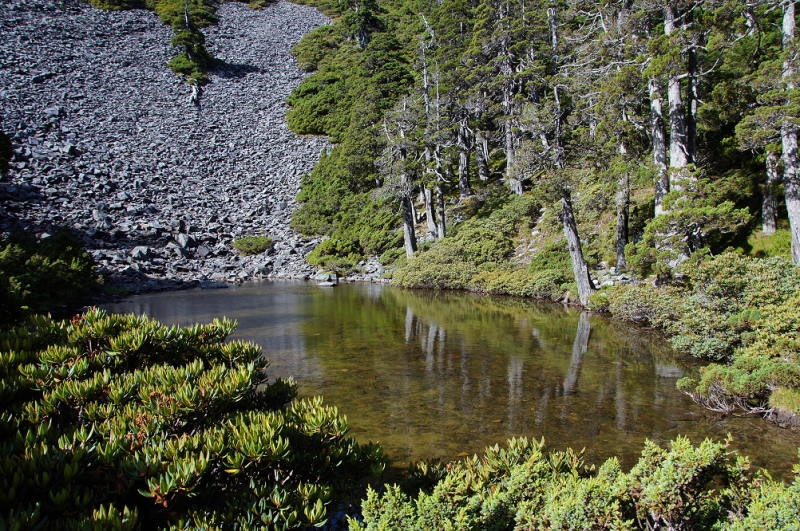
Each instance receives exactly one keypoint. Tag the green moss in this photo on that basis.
(784, 399)
(762, 246)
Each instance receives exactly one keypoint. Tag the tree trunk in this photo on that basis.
(659, 144)
(692, 95)
(769, 205)
(414, 213)
(441, 229)
(464, 145)
(791, 180)
(482, 155)
(430, 213)
(514, 183)
(623, 206)
(678, 149)
(579, 268)
(409, 238)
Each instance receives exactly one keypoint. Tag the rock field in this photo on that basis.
(108, 144)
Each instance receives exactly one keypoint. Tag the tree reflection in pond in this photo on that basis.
(442, 374)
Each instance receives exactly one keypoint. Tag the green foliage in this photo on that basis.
(728, 295)
(251, 245)
(336, 255)
(772, 505)
(36, 275)
(694, 219)
(734, 309)
(115, 5)
(643, 304)
(122, 420)
(360, 69)
(469, 256)
(523, 487)
(186, 18)
(778, 244)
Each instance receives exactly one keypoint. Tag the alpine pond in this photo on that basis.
(443, 375)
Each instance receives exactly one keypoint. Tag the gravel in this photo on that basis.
(108, 144)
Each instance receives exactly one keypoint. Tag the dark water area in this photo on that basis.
(443, 375)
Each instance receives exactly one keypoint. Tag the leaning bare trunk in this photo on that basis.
(791, 179)
(441, 229)
(430, 212)
(623, 206)
(659, 145)
(464, 144)
(579, 268)
(409, 238)
(482, 155)
(769, 205)
(409, 218)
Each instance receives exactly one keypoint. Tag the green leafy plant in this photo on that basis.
(124, 421)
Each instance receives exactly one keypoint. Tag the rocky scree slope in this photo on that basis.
(108, 144)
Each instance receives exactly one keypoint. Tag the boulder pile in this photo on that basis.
(109, 144)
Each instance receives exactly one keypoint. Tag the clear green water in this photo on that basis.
(446, 374)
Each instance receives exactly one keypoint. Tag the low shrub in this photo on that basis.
(37, 275)
(523, 487)
(340, 256)
(739, 311)
(469, 257)
(252, 245)
(119, 422)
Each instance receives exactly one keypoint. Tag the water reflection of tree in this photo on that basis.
(452, 367)
(579, 348)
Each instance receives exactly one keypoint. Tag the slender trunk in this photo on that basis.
(430, 213)
(464, 145)
(692, 96)
(791, 180)
(623, 206)
(659, 144)
(441, 229)
(678, 150)
(409, 238)
(514, 182)
(579, 268)
(482, 155)
(769, 205)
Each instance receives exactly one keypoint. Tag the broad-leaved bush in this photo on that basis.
(120, 422)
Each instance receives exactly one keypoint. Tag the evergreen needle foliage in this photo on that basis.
(523, 487)
(186, 18)
(38, 275)
(250, 245)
